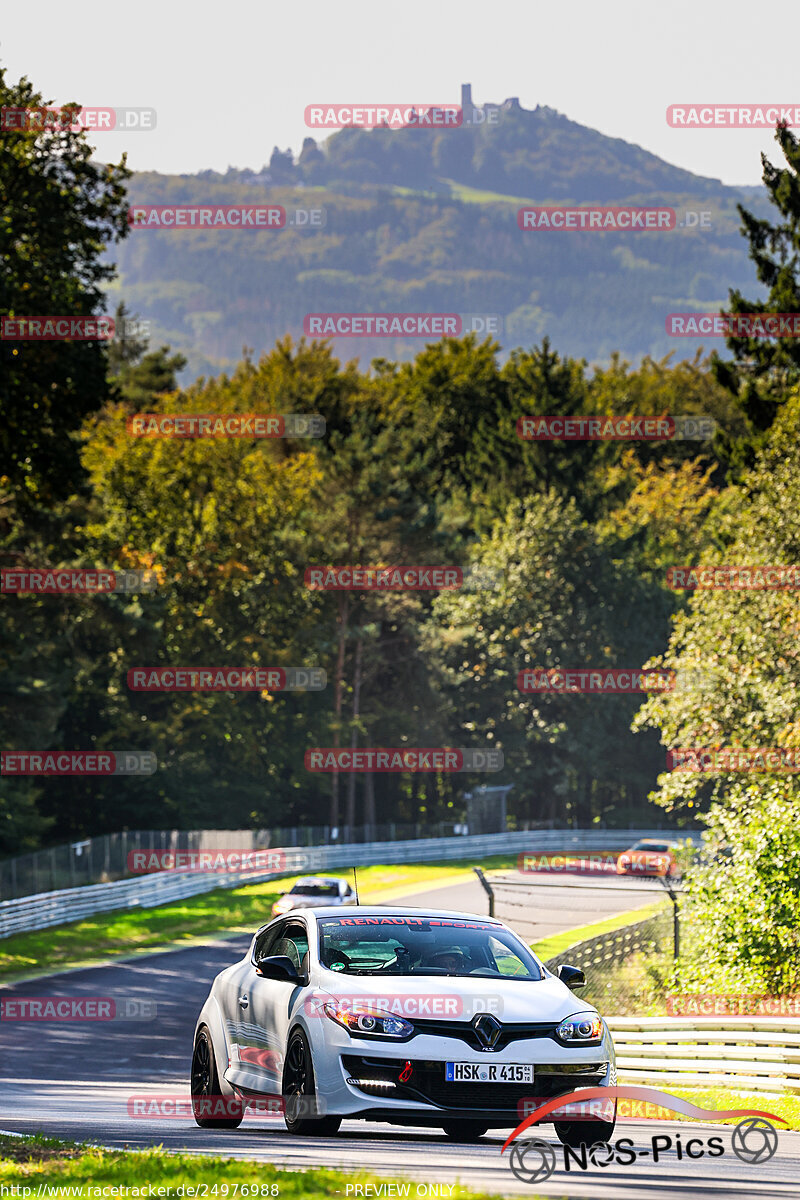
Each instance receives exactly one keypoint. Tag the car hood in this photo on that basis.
(314, 902)
(457, 999)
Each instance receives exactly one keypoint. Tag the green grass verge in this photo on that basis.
(559, 942)
(125, 931)
(47, 1162)
(787, 1107)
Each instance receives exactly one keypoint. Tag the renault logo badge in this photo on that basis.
(487, 1029)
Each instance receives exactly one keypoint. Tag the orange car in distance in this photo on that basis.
(648, 857)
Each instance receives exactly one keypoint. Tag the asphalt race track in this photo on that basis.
(75, 1080)
(537, 909)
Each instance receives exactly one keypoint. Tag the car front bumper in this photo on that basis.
(359, 1077)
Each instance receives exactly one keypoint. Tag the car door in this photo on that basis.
(272, 1002)
(253, 1052)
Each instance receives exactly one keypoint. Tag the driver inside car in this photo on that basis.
(453, 961)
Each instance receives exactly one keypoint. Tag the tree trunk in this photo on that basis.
(369, 805)
(350, 819)
(338, 688)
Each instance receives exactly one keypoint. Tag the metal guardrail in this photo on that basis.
(44, 910)
(104, 858)
(754, 1054)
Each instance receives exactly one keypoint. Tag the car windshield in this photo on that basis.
(656, 847)
(315, 889)
(416, 945)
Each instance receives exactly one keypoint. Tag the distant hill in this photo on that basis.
(425, 221)
(522, 153)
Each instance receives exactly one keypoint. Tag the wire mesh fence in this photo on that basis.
(626, 967)
(538, 908)
(596, 955)
(104, 859)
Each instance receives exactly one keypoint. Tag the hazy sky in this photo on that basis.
(231, 79)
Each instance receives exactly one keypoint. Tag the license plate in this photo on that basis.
(463, 1072)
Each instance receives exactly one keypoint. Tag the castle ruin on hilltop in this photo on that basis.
(512, 104)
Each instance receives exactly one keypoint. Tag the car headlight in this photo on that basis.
(281, 906)
(582, 1029)
(361, 1021)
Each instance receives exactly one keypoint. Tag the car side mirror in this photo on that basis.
(573, 977)
(278, 966)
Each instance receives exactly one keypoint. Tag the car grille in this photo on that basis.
(427, 1083)
(464, 1031)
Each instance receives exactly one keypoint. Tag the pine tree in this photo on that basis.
(764, 369)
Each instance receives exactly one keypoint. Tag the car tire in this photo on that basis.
(584, 1133)
(299, 1093)
(205, 1084)
(464, 1131)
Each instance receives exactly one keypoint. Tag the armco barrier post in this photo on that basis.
(676, 932)
(487, 887)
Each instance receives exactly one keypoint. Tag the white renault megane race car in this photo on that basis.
(411, 1017)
